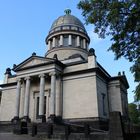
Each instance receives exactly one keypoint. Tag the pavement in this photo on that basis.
(10, 136)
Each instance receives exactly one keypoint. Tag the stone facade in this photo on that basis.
(68, 82)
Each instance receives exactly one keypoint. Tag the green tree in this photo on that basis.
(134, 114)
(121, 20)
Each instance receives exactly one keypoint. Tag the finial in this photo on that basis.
(33, 54)
(14, 65)
(123, 72)
(55, 56)
(91, 52)
(8, 71)
(67, 11)
(119, 73)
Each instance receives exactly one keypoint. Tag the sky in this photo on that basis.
(24, 25)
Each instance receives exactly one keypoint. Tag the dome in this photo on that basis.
(67, 20)
(67, 37)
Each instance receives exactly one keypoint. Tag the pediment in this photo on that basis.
(32, 61)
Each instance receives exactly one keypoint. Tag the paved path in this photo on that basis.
(10, 136)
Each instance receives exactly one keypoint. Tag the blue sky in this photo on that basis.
(24, 25)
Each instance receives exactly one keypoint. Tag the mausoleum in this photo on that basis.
(67, 83)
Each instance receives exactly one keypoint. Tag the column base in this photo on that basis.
(26, 119)
(51, 118)
(15, 119)
(42, 118)
(58, 119)
(55, 119)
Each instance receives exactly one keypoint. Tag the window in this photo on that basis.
(65, 40)
(73, 41)
(66, 27)
(57, 41)
(103, 104)
(81, 43)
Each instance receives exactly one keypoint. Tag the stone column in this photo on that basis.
(61, 40)
(58, 107)
(53, 92)
(49, 45)
(17, 107)
(78, 41)
(26, 101)
(54, 42)
(47, 109)
(41, 98)
(70, 40)
(22, 99)
(84, 43)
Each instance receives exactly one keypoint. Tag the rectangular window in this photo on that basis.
(73, 41)
(103, 104)
(37, 107)
(65, 40)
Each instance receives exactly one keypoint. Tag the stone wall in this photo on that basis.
(7, 107)
(80, 102)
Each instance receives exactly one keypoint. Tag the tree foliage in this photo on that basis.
(121, 20)
(134, 114)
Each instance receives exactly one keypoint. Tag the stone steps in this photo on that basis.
(59, 136)
(6, 127)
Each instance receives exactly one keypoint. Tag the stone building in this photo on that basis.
(67, 83)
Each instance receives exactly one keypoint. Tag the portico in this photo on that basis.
(55, 104)
(47, 79)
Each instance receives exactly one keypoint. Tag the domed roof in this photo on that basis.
(67, 20)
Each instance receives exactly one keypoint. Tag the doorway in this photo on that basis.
(36, 105)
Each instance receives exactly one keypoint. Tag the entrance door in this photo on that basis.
(36, 105)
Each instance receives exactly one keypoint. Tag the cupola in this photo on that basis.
(67, 37)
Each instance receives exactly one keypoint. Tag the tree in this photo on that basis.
(134, 114)
(121, 20)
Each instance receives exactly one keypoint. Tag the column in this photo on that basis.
(53, 43)
(22, 96)
(26, 101)
(70, 40)
(49, 45)
(18, 91)
(61, 40)
(53, 92)
(87, 46)
(84, 43)
(47, 109)
(78, 41)
(41, 98)
(58, 107)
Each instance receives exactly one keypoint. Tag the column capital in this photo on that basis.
(42, 75)
(18, 80)
(52, 73)
(56, 73)
(27, 78)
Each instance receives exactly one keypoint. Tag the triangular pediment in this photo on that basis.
(32, 61)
